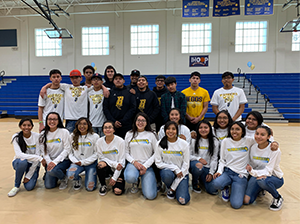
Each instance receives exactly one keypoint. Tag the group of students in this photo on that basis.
(219, 157)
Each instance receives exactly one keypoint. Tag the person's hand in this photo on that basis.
(179, 175)
(182, 137)
(119, 167)
(203, 161)
(137, 165)
(112, 182)
(208, 178)
(132, 91)
(193, 134)
(274, 146)
(26, 180)
(44, 163)
(199, 166)
(43, 92)
(216, 175)
(50, 166)
(143, 170)
(248, 168)
(118, 124)
(261, 177)
(41, 127)
(106, 92)
(102, 164)
(78, 163)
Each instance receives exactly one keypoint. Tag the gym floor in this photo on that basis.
(69, 206)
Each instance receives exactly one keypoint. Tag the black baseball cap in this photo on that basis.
(118, 74)
(135, 72)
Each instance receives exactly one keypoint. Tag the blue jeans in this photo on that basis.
(22, 167)
(70, 125)
(269, 184)
(90, 182)
(238, 186)
(57, 173)
(201, 175)
(131, 175)
(98, 130)
(182, 191)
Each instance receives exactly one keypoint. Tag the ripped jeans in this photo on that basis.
(90, 182)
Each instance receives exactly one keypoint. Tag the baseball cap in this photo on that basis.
(118, 74)
(135, 72)
(97, 75)
(75, 72)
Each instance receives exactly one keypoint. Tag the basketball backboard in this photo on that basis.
(291, 26)
(58, 33)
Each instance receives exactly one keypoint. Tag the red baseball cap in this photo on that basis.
(75, 72)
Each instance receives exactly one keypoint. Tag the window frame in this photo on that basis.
(43, 49)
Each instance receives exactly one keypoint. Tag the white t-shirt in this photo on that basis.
(229, 99)
(251, 133)
(220, 133)
(86, 153)
(140, 148)
(97, 116)
(176, 158)
(76, 101)
(112, 153)
(265, 162)
(52, 102)
(32, 154)
(58, 146)
(182, 129)
(235, 155)
(212, 161)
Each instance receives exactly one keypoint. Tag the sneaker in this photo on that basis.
(197, 189)
(276, 204)
(225, 194)
(159, 186)
(170, 194)
(135, 187)
(77, 184)
(13, 192)
(103, 190)
(63, 183)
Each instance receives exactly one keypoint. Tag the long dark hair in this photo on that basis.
(210, 136)
(242, 126)
(164, 141)
(257, 116)
(181, 119)
(20, 138)
(134, 129)
(77, 133)
(43, 137)
(216, 125)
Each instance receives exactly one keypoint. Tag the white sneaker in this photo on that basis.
(134, 188)
(13, 192)
(63, 183)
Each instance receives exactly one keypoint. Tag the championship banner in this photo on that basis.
(191, 9)
(199, 61)
(224, 8)
(258, 7)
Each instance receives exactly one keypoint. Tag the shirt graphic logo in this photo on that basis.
(85, 144)
(31, 147)
(57, 140)
(144, 141)
(228, 97)
(97, 99)
(55, 98)
(175, 153)
(263, 159)
(242, 149)
(142, 105)
(119, 102)
(114, 151)
(76, 92)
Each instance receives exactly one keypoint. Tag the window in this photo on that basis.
(196, 38)
(296, 41)
(144, 39)
(251, 36)
(95, 40)
(44, 46)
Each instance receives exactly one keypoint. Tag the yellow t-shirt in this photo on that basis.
(195, 100)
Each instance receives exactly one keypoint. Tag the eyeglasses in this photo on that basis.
(52, 119)
(108, 128)
(141, 121)
(251, 119)
(222, 118)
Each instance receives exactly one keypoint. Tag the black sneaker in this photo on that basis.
(170, 194)
(103, 190)
(197, 189)
(276, 204)
(77, 184)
